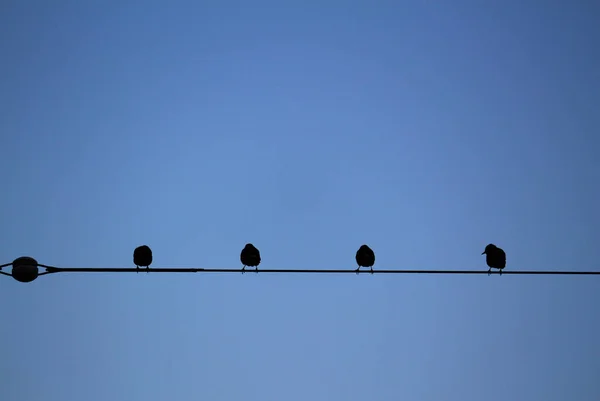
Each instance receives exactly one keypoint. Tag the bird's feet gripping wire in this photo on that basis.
(357, 270)
(371, 270)
(490, 271)
(244, 269)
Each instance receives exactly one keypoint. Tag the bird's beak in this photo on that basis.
(483, 253)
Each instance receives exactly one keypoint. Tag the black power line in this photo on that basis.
(26, 269)
(53, 269)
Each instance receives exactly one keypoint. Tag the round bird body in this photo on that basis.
(250, 256)
(142, 256)
(365, 257)
(495, 258)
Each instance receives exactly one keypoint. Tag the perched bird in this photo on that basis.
(365, 257)
(250, 256)
(142, 256)
(495, 258)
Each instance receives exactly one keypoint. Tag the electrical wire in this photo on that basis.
(54, 269)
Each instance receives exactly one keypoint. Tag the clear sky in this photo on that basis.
(424, 129)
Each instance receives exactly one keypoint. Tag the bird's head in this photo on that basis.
(489, 248)
(142, 248)
(249, 246)
(363, 247)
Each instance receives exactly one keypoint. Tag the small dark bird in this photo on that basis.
(495, 258)
(365, 257)
(250, 256)
(142, 256)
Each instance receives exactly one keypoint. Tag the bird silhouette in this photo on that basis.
(142, 256)
(365, 257)
(250, 256)
(495, 258)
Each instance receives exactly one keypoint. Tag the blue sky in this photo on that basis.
(424, 129)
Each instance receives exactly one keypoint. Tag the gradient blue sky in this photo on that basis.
(424, 129)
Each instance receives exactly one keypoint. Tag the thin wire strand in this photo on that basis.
(54, 269)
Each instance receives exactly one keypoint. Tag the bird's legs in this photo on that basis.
(256, 269)
(137, 269)
(500, 271)
(490, 271)
(147, 269)
(244, 269)
(357, 270)
(371, 270)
